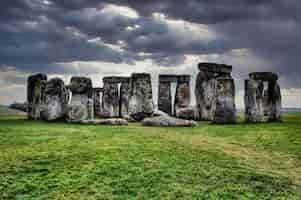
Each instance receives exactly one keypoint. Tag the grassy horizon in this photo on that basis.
(40, 160)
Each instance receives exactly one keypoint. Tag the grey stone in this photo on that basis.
(141, 100)
(36, 85)
(167, 121)
(264, 76)
(215, 68)
(159, 113)
(81, 85)
(111, 121)
(225, 111)
(125, 93)
(182, 97)
(205, 93)
(274, 101)
(253, 101)
(97, 96)
(189, 113)
(56, 100)
(77, 113)
(110, 100)
(81, 106)
(164, 97)
(263, 97)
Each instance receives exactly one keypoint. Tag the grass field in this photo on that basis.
(40, 160)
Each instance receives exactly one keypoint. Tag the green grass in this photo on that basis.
(40, 160)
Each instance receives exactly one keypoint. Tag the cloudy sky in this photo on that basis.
(98, 38)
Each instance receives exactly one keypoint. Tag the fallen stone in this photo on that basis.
(167, 121)
(112, 121)
(159, 113)
(189, 113)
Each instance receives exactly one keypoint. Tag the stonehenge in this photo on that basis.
(123, 99)
(215, 93)
(262, 97)
(181, 97)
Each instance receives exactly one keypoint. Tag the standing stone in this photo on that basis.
(225, 101)
(116, 93)
(274, 102)
(36, 85)
(56, 100)
(141, 100)
(262, 97)
(97, 95)
(182, 97)
(205, 92)
(110, 99)
(125, 92)
(82, 98)
(253, 101)
(164, 97)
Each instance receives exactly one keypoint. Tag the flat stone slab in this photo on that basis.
(189, 113)
(174, 78)
(167, 121)
(116, 79)
(112, 121)
(216, 68)
(264, 76)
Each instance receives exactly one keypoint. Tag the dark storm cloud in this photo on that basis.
(37, 33)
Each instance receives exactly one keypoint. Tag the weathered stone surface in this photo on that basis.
(215, 68)
(36, 85)
(159, 113)
(182, 97)
(225, 111)
(110, 99)
(125, 93)
(253, 101)
(81, 106)
(77, 113)
(97, 96)
(111, 121)
(164, 97)
(116, 79)
(263, 97)
(81, 85)
(274, 101)
(205, 93)
(56, 100)
(264, 76)
(141, 100)
(167, 121)
(189, 113)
